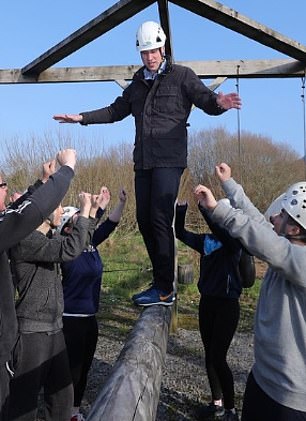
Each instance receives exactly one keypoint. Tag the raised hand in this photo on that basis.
(48, 169)
(104, 197)
(122, 196)
(67, 157)
(223, 171)
(85, 203)
(205, 197)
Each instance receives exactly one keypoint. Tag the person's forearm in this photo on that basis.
(240, 200)
(100, 116)
(116, 214)
(50, 194)
(19, 223)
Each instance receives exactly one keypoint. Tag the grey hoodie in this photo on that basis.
(35, 259)
(280, 322)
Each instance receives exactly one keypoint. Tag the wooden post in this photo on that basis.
(174, 314)
(131, 392)
(185, 274)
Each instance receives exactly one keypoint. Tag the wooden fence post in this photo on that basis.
(185, 274)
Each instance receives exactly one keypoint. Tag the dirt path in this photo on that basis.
(184, 384)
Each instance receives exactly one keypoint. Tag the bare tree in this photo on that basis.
(265, 168)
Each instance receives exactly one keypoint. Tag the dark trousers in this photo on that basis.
(218, 320)
(258, 406)
(41, 361)
(81, 335)
(4, 391)
(156, 192)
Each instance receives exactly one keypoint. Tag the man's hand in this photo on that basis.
(205, 197)
(223, 172)
(104, 197)
(94, 204)
(122, 196)
(229, 101)
(68, 118)
(67, 157)
(85, 204)
(48, 169)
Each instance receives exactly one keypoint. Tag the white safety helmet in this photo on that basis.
(69, 211)
(150, 35)
(294, 202)
(275, 207)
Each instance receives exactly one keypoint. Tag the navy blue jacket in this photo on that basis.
(82, 276)
(219, 273)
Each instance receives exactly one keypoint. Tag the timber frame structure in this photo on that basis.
(134, 383)
(40, 70)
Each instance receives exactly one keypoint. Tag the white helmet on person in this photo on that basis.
(69, 211)
(150, 35)
(275, 207)
(294, 202)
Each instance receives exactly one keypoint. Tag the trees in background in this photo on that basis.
(265, 168)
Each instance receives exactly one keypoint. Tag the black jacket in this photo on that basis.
(160, 111)
(15, 224)
(219, 273)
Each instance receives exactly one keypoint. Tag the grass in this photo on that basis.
(127, 269)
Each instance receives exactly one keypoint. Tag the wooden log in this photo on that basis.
(251, 69)
(185, 274)
(131, 392)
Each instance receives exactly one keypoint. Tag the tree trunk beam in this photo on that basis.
(248, 69)
(112, 17)
(133, 386)
(233, 20)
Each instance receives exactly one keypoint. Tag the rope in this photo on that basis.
(239, 126)
(304, 120)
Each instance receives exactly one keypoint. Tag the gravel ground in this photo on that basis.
(184, 384)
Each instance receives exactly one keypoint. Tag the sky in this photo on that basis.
(271, 107)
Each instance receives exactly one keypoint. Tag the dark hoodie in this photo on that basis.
(220, 254)
(16, 224)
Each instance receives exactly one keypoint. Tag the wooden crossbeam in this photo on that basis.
(251, 69)
(103, 23)
(231, 19)
(125, 9)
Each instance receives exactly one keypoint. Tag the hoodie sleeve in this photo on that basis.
(39, 248)
(103, 232)
(191, 239)
(230, 243)
(240, 200)
(261, 241)
(16, 224)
